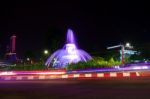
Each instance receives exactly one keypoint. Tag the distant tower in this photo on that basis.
(13, 43)
(11, 55)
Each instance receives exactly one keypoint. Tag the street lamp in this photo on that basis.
(128, 45)
(122, 50)
(45, 52)
(28, 59)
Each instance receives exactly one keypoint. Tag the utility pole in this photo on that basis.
(122, 50)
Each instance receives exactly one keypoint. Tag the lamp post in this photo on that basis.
(122, 55)
(122, 50)
(45, 54)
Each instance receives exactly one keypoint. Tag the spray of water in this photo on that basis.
(68, 54)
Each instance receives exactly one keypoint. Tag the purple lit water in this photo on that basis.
(68, 54)
(70, 37)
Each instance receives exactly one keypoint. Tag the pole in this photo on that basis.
(123, 57)
(122, 52)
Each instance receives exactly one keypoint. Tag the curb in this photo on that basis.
(72, 76)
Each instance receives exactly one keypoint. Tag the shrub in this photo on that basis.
(38, 66)
(96, 62)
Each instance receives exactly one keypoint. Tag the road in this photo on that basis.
(107, 88)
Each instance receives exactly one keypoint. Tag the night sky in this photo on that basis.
(96, 24)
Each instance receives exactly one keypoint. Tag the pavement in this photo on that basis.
(63, 85)
(105, 88)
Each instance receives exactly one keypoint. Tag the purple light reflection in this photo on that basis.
(130, 68)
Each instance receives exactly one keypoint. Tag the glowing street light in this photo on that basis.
(128, 45)
(28, 59)
(45, 52)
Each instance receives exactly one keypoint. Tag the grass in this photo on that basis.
(29, 67)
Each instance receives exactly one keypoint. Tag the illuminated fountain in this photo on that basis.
(68, 54)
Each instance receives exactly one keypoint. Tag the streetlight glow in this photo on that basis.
(28, 59)
(127, 44)
(45, 51)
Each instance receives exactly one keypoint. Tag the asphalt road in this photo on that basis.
(108, 88)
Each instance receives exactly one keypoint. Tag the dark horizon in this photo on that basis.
(96, 24)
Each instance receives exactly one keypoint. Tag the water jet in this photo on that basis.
(68, 54)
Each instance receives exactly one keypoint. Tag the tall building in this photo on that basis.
(11, 51)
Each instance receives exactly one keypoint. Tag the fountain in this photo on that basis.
(68, 54)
